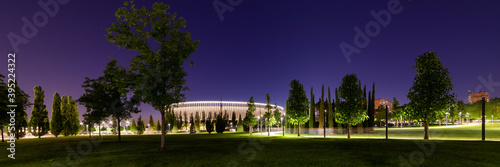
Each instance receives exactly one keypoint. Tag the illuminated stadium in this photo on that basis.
(238, 107)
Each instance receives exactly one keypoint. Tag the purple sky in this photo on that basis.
(261, 46)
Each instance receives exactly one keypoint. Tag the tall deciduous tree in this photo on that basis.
(39, 115)
(397, 111)
(95, 99)
(350, 109)
(56, 123)
(430, 96)
(162, 46)
(311, 110)
(297, 104)
(250, 120)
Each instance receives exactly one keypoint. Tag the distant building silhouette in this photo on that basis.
(383, 102)
(474, 97)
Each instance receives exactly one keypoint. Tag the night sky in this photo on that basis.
(261, 46)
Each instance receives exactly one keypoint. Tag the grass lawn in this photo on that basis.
(237, 149)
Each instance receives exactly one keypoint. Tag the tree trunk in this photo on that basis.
(268, 131)
(90, 132)
(298, 129)
(426, 130)
(119, 129)
(100, 138)
(348, 131)
(162, 130)
(2, 132)
(250, 128)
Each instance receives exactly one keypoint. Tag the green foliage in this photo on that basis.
(151, 124)
(322, 108)
(197, 122)
(311, 111)
(330, 110)
(209, 124)
(56, 124)
(430, 96)
(133, 126)
(297, 104)
(4, 117)
(22, 101)
(162, 46)
(175, 126)
(240, 125)
(221, 124)
(350, 109)
(140, 126)
(277, 114)
(39, 115)
(250, 120)
(380, 114)
(158, 126)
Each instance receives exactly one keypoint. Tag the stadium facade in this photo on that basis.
(238, 107)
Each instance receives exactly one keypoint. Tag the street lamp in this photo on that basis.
(324, 125)
(168, 128)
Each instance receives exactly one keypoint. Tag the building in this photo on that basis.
(474, 97)
(383, 102)
(239, 107)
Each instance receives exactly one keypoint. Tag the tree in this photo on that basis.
(140, 126)
(461, 109)
(397, 110)
(162, 46)
(65, 113)
(371, 108)
(221, 123)
(330, 110)
(175, 125)
(133, 126)
(311, 111)
(56, 123)
(73, 117)
(277, 114)
(151, 124)
(209, 125)
(4, 117)
(197, 122)
(431, 94)
(269, 115)
(233, 119)
(297, 104)
(250, 120)
(322, 108)
(157, 126)
(95, 99)
(350, 109)
(39, 115)
(380, 115)
(240, 125)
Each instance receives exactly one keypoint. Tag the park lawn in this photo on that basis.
(231, 149)
(450, 132)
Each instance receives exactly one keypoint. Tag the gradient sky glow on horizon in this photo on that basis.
(261, 46)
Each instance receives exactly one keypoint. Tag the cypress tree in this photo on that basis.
(140, 126)
(175, 125)
(133, 126)
(39, 115)
(330, 110)
(158, 126)
(65, 112)
(151, 124)
(311, 111)
(197, 122)
(56, 124)
(240, 125)
(322, 108)
(220, 124)
(73, 117)
(209, 123)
